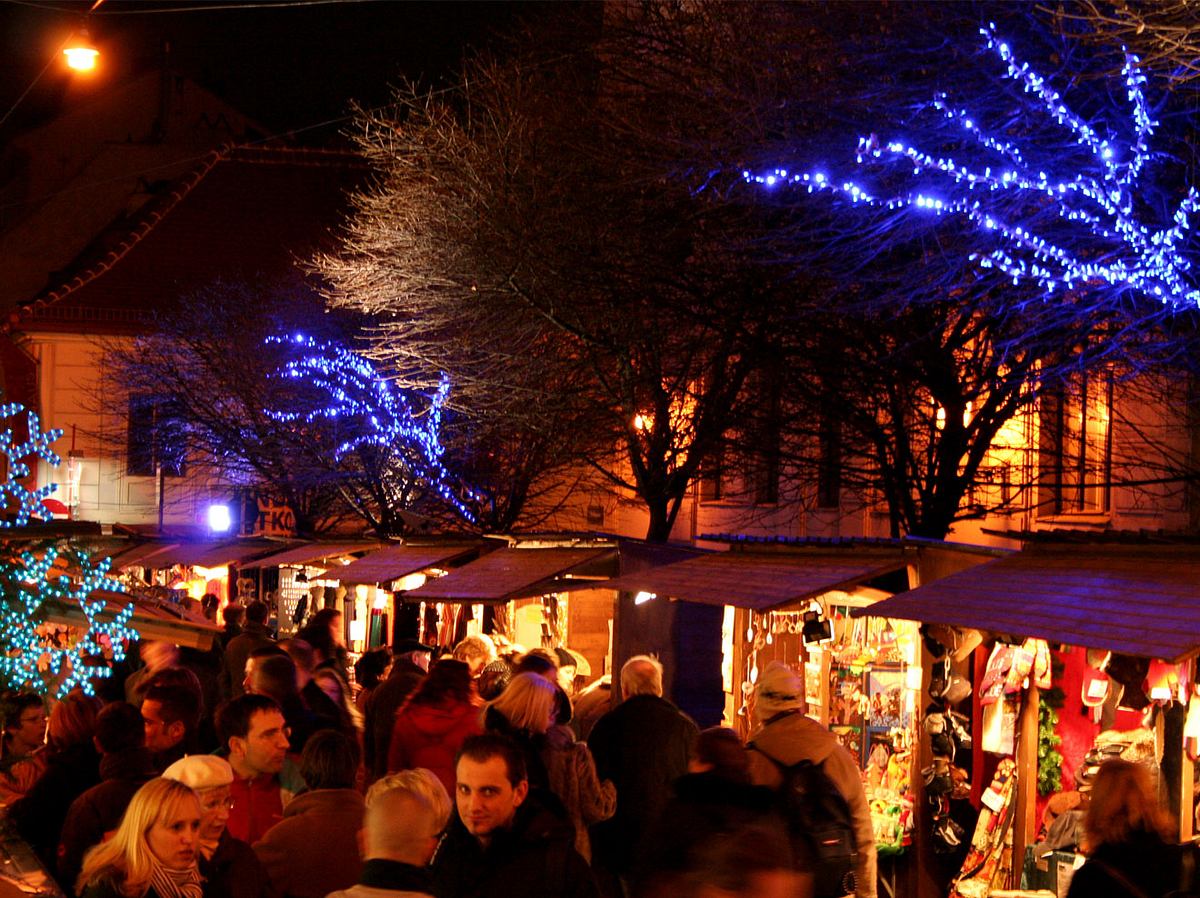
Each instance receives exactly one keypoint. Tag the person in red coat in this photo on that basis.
(435, 722)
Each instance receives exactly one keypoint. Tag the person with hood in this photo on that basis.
(229, 866)
(502, 842)
(554, 761)
(329, 814)
(432, 726)
(784, 736)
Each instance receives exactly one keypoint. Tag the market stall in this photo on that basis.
(1021, 628)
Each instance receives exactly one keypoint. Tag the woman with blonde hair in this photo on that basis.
(556, 763)
(1130, 838)
(154, 852)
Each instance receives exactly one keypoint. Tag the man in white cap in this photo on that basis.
(229, 866)
(784, 736)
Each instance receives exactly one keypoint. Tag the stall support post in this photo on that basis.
(1025, 812)
(1187, 800)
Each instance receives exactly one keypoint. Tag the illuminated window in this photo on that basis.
(1075, 448)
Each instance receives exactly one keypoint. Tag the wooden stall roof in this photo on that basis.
(1138, 600)
(140, 554)
(514, 573)
(761, 580)
(152, 619)
(395, 562)
(212, 554)
(312, 551)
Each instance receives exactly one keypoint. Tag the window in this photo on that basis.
(155, 437)
(829, 461)
(1075, 447)
(711, 470)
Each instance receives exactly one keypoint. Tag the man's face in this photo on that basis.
(160, 735)
(487, 801)
(264, 747)
(29, 730)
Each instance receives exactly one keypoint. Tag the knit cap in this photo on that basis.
(779, 689)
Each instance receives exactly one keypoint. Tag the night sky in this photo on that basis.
(287, 66)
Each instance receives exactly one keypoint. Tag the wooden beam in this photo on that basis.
(1025, 814)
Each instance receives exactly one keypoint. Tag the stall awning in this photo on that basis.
(395, 562)
(152, 619)
(312, 552)
(760, 580)
(139, 555)
(211, 554)
(515, 573)
(1138, 601)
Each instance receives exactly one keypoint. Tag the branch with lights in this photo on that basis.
(1088, 229)
(374, 412)
(37, 655)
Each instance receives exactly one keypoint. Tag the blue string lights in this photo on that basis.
(35, 656)
(1062, 234)
(373, 413)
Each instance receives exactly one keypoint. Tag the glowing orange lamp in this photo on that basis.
(81, 55)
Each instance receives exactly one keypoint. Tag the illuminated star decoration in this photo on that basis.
(29, 579)
(1092, 234)
(358, 393)
(20, 500)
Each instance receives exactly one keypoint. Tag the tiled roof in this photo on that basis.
(241, 213)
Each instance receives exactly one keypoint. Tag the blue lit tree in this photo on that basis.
(36, 575)
(382, 442)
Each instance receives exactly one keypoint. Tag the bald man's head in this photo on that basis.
(406, 812)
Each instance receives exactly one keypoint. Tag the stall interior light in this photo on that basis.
(643, 597)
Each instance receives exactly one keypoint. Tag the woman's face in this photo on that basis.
(173, 837)
(215, 805)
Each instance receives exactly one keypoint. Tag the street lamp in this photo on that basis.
(81, 55)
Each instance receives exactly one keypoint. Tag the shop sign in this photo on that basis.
(262, 516)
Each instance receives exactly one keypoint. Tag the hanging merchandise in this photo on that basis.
(987, 845)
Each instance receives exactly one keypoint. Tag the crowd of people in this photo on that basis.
(257, 770)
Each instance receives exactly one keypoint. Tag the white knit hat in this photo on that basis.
(200, 772)
(779, 689)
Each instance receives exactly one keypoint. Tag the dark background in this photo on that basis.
(289, 67)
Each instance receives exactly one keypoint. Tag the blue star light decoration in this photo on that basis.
(1093, 236)
(380, 414)
(28, 580)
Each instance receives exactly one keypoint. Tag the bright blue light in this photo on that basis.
(219, 518)
(1108, 244)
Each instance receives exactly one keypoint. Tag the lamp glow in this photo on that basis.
(219, 518)
(81, 55)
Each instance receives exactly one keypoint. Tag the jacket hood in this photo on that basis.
(437, 720)
(792, 738)
(326, 802)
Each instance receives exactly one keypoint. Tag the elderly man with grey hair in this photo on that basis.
(406, 813)
(642, 745)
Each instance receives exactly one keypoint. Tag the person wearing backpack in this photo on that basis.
(798, 757)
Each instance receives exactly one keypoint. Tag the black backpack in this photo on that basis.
(820, 826)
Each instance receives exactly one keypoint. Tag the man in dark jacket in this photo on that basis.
(125, 764)
(501, 842)
(255, 634)
(642, 745)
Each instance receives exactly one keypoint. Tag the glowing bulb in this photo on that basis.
(81, 55)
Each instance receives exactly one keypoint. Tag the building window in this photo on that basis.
(1075, 446)
(829, 461)
(155, 437)
(711, 470)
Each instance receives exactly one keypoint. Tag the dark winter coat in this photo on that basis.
(233, 664)
(1148, 862)
(705, 807)
(99, 810)
(40, 814)
(234, 871)
(379, 715)
(106, 888)
(314, 849)
(534, 857)
(430, 736)
(643, 746)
